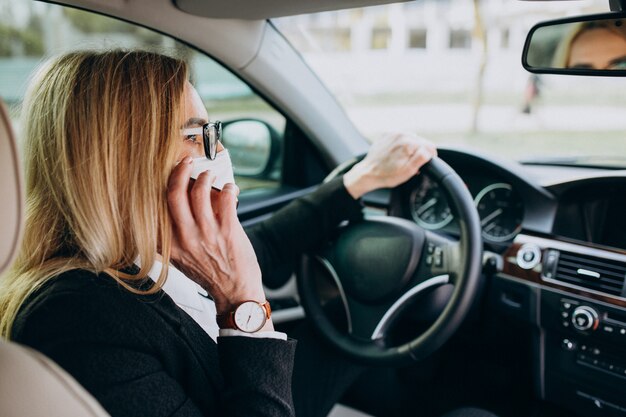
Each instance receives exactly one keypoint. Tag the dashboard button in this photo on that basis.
(608, 329)
(568, 345)
(438, 257)
(528, 256)
(585, 318)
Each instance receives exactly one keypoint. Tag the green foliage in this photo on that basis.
(90, 23)
(93, 23)
(27, 41)
(7, 35)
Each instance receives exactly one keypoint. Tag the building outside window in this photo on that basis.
(417, 39)
(380, 37)
(460, 39)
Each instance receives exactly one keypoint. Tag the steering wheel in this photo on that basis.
(380, 264)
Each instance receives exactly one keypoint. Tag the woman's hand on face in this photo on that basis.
(390, 161)
(209, 244)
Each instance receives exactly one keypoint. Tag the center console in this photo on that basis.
(584, 353)
(576, 297)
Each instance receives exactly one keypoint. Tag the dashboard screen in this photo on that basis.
(593, 214)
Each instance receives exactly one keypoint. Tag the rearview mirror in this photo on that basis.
(584, 45)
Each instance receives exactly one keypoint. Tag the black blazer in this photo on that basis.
(144, 356)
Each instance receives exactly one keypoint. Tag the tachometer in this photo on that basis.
(429, 205)
(501, 212)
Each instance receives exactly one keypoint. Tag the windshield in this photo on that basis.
(451, 71)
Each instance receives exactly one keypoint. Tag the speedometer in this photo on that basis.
(429, 205)
(501, 212)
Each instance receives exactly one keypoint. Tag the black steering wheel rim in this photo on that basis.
(466, 284)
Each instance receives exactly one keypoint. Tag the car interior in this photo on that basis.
(485, 281)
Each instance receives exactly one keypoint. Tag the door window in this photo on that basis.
(31, 32)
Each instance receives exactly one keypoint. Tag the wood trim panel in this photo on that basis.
(511, 267)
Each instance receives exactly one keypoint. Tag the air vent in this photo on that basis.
(599, 274)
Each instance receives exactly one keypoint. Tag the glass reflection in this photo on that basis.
(591, 45)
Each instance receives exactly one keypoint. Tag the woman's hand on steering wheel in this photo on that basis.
(391, 161)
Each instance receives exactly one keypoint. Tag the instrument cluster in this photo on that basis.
(499, 205)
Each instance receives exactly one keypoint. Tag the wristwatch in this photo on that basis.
(249, 316)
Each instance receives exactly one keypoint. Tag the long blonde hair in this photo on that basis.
(99, 145)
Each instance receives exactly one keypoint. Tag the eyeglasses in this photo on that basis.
(211, 133)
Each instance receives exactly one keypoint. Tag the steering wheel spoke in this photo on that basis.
(363, 319)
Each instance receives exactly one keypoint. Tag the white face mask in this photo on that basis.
(221, 167)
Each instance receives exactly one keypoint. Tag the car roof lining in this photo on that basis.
(266, 9)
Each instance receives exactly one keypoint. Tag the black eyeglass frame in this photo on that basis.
(211, 134)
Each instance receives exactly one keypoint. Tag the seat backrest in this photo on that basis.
(30, 384)
(11, 209)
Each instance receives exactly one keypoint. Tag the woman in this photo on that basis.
(592, 45)
(108, 162)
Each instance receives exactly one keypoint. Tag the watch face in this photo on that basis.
(250, 317)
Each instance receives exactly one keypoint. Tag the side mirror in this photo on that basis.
(254, 147)
(583, 45)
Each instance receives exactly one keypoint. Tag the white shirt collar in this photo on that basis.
(181, 289)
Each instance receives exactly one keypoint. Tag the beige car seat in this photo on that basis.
(31, 385)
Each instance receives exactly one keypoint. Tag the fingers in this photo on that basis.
(225, 203)
(200, 198)
(194, 204)
(414, 145)
(414, 151)
(425, 144)
(177, 199)
(232, 189)
(420, 157)
(423, 151)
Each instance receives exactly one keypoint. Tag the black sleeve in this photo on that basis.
(301, 225)
(257, 375)
(96, 341)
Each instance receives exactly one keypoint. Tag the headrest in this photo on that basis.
(12, 206)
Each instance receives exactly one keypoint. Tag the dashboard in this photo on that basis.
(581, 205)
(554, 240)
(558, 235)
(507, 201)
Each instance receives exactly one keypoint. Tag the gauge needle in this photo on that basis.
(491, 217)
(426, 206)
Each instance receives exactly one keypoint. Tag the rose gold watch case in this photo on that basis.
(227, 321)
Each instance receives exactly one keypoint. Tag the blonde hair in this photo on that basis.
(562, 53)
(99, 146)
